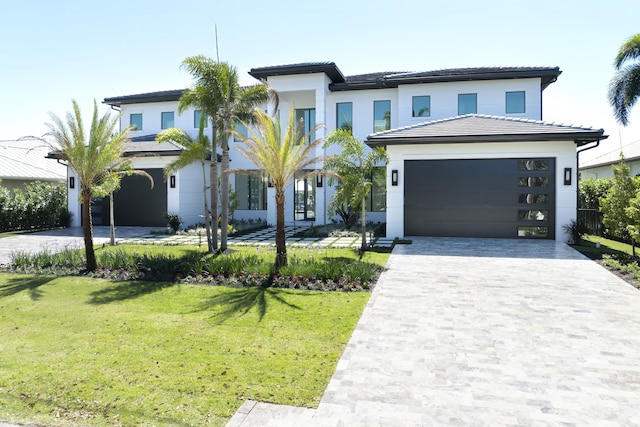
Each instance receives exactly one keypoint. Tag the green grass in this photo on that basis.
(607, 246)
(81, 351)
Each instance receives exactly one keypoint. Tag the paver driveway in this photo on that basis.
(484, 332)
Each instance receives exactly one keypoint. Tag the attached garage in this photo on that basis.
(482, 176)
(137, 204)
(501, 198)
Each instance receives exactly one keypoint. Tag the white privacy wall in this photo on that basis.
(563, 151)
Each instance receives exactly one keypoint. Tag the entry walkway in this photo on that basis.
(483, 332)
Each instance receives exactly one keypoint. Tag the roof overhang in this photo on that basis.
(329, 68)
(142, 98)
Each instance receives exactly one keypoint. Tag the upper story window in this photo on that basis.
(135, 120)
(467, 103)
(421, 106)
(381, 115)
(167, 120)
(197, 116)
(514, 102)
(242, 130)
(344, 116)
(308, 118)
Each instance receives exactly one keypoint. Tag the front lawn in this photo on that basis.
(86, 351)
(616, 256)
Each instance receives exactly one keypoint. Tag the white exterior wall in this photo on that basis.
(564, 152)
(607, 171)
(73, 198)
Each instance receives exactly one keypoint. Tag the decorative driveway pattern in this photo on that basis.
(484, 332)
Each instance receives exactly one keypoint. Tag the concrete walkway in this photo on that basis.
(483, 332)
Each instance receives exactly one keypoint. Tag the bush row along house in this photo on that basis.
(469, 152)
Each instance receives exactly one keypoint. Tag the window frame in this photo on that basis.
(523, 105)
(460, 95)
(413, 106)
(388, 122)
(350, 123)
(196, 120)
(242, 129)
(131, 121)
(173, 119)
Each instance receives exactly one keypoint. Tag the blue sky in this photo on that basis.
(53, 52)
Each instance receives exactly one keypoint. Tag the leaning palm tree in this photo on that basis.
(624, 88)
(217, 92)
(195, 150)
(280, 157)
(96, 158)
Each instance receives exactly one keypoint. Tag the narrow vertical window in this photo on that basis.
(467, 103)
(515, 102)
(421, 106)
(242, 130)
(381, 115)
(307, 117)
(135, 120)
(344, 116)
(197, 116)
(167, 120)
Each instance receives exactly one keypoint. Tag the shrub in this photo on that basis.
(173, 221)
(39, 205)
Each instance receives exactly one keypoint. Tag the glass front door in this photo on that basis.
(304, 199)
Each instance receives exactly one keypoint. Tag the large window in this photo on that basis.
(135, 120)
(514, 102)
(377, 198)
(197, 115)
(308, 118)
(467, 103)
(344, 116)
(251, 192)
(242, 130)
(167, 121)
(421, 106)
(381, 115)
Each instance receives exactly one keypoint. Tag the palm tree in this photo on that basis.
(624, 88)
(96, 159)
(218, 93)
(280, 157)
(194, 150)
(354, 168)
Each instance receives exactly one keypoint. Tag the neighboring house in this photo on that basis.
(600, 167)
(468, 150)
(24, 161)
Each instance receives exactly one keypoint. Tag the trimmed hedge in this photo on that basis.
(40, 205)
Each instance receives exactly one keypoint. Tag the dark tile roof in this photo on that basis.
(483, 128)
(547, 75)
(161, 96)
(329, 68)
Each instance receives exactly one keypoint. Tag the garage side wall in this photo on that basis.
(564, 152)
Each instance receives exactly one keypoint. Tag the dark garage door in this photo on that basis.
(136, 204)
(504, 198)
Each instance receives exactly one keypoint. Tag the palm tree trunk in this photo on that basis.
(207, 223)
(224, 199)
(87, 228)
(112, 223)
(281, 244)
(363, 246)
(213, 178)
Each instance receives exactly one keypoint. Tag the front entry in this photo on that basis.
(304, 199)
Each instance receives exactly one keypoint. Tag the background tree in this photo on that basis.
(195, 150)
(280, 157)
(354, 167)
(219, 94)
(96, 158)
(624, 88)
(614, 205)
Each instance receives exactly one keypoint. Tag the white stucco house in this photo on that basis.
(601, 166)
(470, 154)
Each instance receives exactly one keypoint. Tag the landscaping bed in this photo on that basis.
(614, 255)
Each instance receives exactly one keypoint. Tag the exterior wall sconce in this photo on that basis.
(72, 182)
(394, 177)
(319, 181)
(567, 176)
(269, 182)
(172, 181)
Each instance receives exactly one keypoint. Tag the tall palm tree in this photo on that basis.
(218, 93)
(96, 158)
(354, 168)
(624, 88)
(280, 157)
(195, 150)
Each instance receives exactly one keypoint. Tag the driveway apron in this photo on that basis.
(484, 332)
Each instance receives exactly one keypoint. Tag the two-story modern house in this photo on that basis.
(469, 153)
